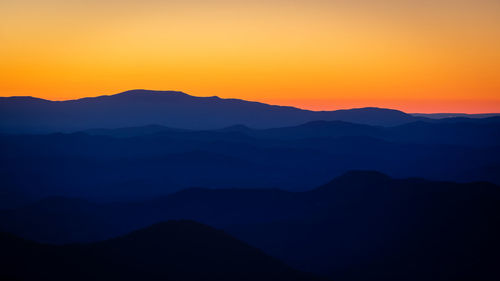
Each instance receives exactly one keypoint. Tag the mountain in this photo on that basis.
(167, 108)
(143, 162)
(133, 131)
(359, 226)
(373, 227)
(452, 115)
(450, 131)
(174, 250)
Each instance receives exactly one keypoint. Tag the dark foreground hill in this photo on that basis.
(168, 108)
(175, 250)
(360, 226)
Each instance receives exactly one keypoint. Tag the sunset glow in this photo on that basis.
(417, 56)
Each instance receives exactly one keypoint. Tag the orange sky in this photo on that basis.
(418, 56)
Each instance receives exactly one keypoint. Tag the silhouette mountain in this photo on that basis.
(452, 115)
(361, 225)
(168, 108)
(459, 131)
(92, 170)
(143, 162)
(133, 131)
(174, 250)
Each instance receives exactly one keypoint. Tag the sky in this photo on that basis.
(416, 56)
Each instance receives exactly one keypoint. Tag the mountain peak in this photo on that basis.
(141, 107)
(147, 95)
(23, 99)
(379, 110)
(149, 92)
(175, 250)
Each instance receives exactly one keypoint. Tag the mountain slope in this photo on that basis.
(360, 226)
(167, 108)
(143, 162)
(175, 250)
(373, 227)
(450, 131)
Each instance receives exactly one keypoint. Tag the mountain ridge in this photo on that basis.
(171, 250)
(172, 109)
(360, 226)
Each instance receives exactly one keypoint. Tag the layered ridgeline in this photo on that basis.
(360, 226)
(173, 109)
(102, 167)
(143, 162)
(175, 250)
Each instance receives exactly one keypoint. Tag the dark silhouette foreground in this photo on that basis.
(175, 250)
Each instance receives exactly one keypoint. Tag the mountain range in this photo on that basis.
(143, 162)
(161, 185)
(169, 108)
(362, 225)
(470, 132)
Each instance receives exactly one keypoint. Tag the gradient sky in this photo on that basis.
(417, 56)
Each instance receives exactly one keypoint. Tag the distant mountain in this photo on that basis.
(133, 131)
(143, 162)
(456, 131)
(447, 131)
(451, 131)
(175, 250)
(167, 108)
(362, 225)
(452, 115)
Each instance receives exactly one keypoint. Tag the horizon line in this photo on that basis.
(255, 101)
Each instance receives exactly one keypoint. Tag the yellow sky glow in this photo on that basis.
(418, 56)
